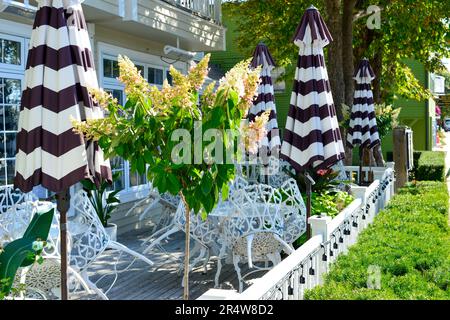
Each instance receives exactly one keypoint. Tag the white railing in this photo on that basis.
(30, 5)
(209, 9)
(305, 268)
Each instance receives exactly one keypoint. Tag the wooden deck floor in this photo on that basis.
(162, 281)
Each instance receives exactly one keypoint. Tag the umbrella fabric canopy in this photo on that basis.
(265, 100)
(312, 137)
(60, 70)
(363, 130)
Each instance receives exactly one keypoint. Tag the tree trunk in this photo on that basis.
(377, 65)
(186, 248)
(348, 161)
(347, 50)
(335, 68)
(378, 156)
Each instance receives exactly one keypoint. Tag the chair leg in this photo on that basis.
(219, 265)
(236, 260)
(159, 239)
(195, 249)
(203, 250)
(81, 279)
(205, 263)
(93, 287)
(121, 247)
(249, 250)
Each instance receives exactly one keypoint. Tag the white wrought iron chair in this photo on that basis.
(254, 229)
(41, 280)
(293, 207)
(90, 240)
(203, 232)
(169, 204)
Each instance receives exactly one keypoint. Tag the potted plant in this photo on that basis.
(104, 203)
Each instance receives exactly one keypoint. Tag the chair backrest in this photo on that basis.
(89, 237)
(202, 230)
(293, 209)
(255, 209)
(16, 211)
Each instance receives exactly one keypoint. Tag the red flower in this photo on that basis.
(322, 172)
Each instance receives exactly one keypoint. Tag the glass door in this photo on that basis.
(10, 95)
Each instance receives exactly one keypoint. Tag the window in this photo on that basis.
(155, 76)
(169, 77)
(11, 80)
(128, 179)
(10, 52)
(130, 182)
(110, 68)
(10, 94)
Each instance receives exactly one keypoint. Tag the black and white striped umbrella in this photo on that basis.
(60, 69)
(312, 138)
(363, 130)
(265, 101)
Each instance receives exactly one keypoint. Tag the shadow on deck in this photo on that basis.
(163, 280)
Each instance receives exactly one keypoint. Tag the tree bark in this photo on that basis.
(377, 65)
(347, 50)
(187, 248)
(378, 156)
(335, 67)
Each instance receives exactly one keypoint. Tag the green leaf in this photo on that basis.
(148, 157)
(140, 165)
(174, 185)
(206, 183)
(20, 253)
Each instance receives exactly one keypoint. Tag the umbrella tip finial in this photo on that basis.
(311, 7)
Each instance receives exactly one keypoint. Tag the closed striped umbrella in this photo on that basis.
(312, 138)
(265, 100)
(363, 130)
(60, 69)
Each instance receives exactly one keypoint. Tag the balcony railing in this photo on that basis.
(27, 5)
(206, 9)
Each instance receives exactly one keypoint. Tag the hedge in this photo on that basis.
(431, 166)
(410, 244)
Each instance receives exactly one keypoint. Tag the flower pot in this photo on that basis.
(111, 230)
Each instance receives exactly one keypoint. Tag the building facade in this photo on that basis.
(139, 29)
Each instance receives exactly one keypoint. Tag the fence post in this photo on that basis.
(319, 226)
(359, 193)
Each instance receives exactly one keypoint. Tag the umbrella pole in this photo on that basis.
(309, 183)
(63, 205)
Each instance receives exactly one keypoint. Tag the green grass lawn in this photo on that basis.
(409, 243)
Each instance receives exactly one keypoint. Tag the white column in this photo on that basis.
(319, 226)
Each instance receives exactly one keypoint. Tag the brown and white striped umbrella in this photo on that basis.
(363, 130)
(265, 100)
(312, 138)
(60, 69)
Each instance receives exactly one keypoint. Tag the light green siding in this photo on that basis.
(418, 115)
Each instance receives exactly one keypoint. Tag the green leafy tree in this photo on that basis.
(156, 129)
(408, 29)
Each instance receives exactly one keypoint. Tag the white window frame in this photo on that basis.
(6, 74)
(16, 68)
(107, 51)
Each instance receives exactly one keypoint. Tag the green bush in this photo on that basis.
(410, 244)
(431, 166)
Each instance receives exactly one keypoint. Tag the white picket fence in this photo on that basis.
(305, 268)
